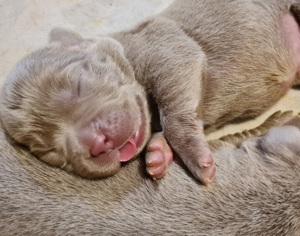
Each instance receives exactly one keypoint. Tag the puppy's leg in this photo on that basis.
(180, 99)
(177, 87)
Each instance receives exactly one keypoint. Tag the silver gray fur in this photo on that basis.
(256, 192)
(206, 63)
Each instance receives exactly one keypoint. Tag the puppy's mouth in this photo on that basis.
(129, 149)
(112, 138)
(125, 152)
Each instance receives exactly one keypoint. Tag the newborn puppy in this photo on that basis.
(76, 108)
(83, 105)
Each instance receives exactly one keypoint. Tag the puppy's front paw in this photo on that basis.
(159, 156)
(190, 144)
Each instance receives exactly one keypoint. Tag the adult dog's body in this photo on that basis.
(256, 193)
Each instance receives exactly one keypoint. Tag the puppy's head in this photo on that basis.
(76, 105)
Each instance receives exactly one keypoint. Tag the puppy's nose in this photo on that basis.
(102, 144)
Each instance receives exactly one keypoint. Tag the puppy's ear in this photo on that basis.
(65, 37)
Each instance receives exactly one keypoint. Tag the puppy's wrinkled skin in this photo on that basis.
(81, 104)
(256, 192)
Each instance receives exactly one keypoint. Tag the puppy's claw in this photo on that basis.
(207, 161)
(203, 169)
(210, 174)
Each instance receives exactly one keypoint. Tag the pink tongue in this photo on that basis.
(127, 151)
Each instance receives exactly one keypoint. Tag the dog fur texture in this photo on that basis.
(79, 103)
(256, 192)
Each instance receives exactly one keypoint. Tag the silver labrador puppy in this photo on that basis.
(84, 105)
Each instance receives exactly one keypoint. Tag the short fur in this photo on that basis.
(256, 192)
(206, 63)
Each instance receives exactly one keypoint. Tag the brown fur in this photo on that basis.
(206, 63)
(256, 193)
